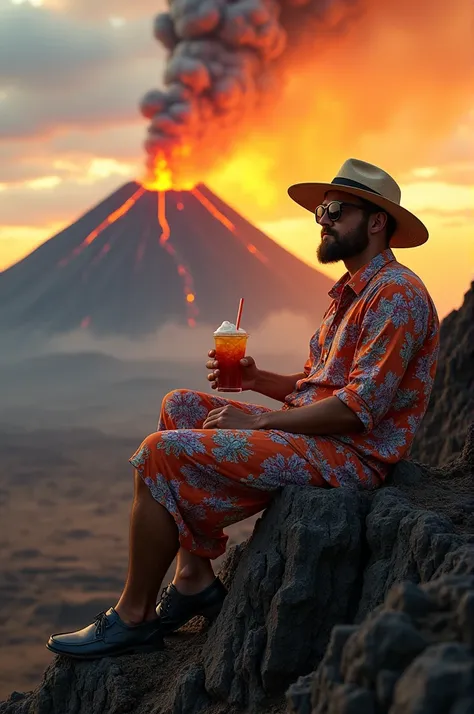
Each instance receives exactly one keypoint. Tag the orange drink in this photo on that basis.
(230, 349)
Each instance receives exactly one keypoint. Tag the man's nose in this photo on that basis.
(325, 220)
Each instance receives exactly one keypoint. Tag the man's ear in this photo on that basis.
(378, 222)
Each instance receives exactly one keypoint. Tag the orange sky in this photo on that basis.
(395, 89)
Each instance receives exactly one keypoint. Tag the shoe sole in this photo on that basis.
(210, 613)
(136, 649)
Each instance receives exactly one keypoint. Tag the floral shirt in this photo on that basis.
(376, 350)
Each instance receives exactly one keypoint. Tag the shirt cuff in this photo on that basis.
(352, 400)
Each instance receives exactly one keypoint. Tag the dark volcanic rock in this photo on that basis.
(443, 430)
(405, 544)
(297, 578)
(412, 656)
(414, 641)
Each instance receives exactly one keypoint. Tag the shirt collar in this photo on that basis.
(363, 276)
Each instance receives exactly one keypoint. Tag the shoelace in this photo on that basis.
(100, 621)
(164, 601)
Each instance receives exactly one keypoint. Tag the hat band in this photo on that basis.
(354, 184)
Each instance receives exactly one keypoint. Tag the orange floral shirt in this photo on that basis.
(376, 350)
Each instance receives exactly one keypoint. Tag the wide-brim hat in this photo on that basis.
(373, 184)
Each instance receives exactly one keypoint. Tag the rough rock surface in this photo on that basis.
(443, 430)
(413, 655)
(300, 570)
(410, 649)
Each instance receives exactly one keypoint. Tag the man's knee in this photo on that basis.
(139, 483)
(176, 395)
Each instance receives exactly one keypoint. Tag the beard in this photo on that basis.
(337, 247)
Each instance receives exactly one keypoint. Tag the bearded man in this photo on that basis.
(345, 420)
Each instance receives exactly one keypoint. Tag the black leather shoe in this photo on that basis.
(108, 636)
(175, 609)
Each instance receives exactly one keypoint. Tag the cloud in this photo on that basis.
(110, 98)
(181, 344)
(57, 72)
(62, 204)
(76, 148)
(41, 49)
(123, 142)
(105, 9)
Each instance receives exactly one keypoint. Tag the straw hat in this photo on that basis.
(375, 185)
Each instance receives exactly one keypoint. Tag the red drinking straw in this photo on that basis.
(239, 313)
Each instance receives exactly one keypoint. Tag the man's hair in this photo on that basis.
(391, 225)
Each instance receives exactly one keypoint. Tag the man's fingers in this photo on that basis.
(212, 364)
(213, 376)
(211, 353)
(214, 412)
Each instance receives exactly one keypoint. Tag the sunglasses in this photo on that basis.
(334, 210)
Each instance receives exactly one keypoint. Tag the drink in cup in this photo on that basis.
(231, 343)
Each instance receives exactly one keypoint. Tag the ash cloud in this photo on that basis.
(225, 60)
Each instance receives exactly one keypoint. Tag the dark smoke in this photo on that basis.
(226, 59)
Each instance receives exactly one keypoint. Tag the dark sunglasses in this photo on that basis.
(334, 210)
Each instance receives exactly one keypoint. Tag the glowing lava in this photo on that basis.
(111, 218)
(183, 272)
(209, 206)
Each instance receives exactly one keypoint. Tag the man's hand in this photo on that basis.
(230, 417)
(247, 366)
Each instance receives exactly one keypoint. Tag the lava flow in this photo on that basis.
(162, 187)
(111, 218)
(183, 272)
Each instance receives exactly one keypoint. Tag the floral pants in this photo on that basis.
(209, 478)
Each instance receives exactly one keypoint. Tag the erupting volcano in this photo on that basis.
(166, 249)
(141, 259)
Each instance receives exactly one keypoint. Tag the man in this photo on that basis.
(346, 418)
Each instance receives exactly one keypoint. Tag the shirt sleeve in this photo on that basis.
(394, 326)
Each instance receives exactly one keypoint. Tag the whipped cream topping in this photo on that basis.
(228, 328)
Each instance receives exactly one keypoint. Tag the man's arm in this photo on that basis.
(276, 386)
(392, 331)
(328, 416)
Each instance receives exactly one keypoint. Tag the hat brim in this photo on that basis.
(409, 233)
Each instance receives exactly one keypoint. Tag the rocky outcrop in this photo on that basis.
(415, 655)
(443, 431)
(363, 599)
(299, 576)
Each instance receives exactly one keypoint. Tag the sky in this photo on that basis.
(392, 87)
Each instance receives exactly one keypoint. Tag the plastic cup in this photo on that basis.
(230, 349)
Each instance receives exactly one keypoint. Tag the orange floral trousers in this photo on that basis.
(209, 478)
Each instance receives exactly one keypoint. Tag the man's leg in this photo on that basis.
(133, 625)
(153, 545)
(193, 573)
(188, 409)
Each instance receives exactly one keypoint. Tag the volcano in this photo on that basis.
(141, 259)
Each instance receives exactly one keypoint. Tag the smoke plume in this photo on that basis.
(226, 60)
